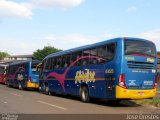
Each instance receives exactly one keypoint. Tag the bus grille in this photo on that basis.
(140, 65)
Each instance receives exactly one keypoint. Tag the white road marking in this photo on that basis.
(16, 94)
(52, 105)
(3, 101)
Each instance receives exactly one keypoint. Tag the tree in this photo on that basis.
(3, 55)
(42, 53)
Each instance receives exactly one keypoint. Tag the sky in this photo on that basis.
(28, 25)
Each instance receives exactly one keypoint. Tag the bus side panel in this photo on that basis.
(98, 88)
(2, 78)
(21, 78)
(2, 74)
(96, 85)
(113, 69)
(110, 77)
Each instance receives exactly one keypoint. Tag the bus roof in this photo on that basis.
(26, 61)
(93, 45)
(3, 65)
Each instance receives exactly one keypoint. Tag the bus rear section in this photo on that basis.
(33, 78)
(138, 77)
(2, 74)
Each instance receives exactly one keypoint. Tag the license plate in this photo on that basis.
(140, 93)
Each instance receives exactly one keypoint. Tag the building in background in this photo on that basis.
(16, 58)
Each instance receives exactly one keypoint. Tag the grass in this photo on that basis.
(155, 102)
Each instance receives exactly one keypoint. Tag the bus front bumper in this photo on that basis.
(32, 85)
(122, 93)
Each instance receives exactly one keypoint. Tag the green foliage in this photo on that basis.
(155, 101)
(3, 54)
(42, 53)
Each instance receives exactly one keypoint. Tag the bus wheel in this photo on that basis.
(50, 93)
(40, 89)
(7, 83)
(46, 90)
(20, 86)
(84, 94)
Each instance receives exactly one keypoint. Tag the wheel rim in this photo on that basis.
(84, 95)
(20, 87)
(47, 90)
(40, 89)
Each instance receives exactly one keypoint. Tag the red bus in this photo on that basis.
(2, 73)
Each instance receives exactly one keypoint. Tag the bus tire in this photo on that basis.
(84, 94)
(7, 83)
(50, 93)
(40, 89)
(46, 90)
(19, 86)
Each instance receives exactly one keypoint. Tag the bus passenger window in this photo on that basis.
(101, 55)
(47, 65)
(2, 70)
(79, 62)
(93, 52)
(52, 64)
(110, 51)
(56, 63)
(75, 57)
(86, 60)
(63, 61)
(67, 60)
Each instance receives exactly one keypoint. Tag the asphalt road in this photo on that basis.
(31, 102)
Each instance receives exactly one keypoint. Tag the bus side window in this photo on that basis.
(57, 63)
(110, 51)
(42, 69)
(79, 62)
(25, 66)
(1, 70)
(93, 52)
(101, 54)
(67, 60)
(86, 61)
(63, 62)
(49, 64)
(52, 63)
(75, 57)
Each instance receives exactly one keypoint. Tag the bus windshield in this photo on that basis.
(33, 66)
(2, 70)
(133, 47)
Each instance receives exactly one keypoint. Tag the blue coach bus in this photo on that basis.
(22, 74)
(120, 68)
